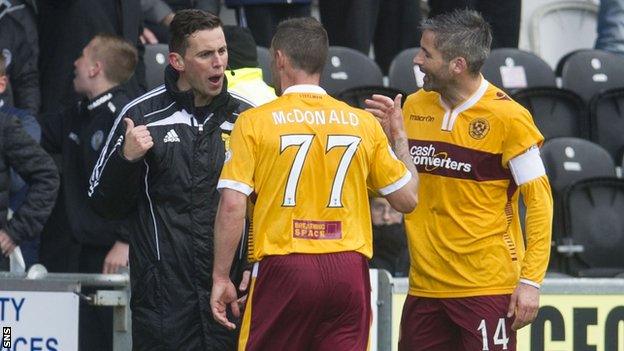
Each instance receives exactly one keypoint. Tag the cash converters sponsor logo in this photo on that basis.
(428, 158)
(420, 118)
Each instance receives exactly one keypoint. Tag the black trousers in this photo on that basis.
(62, 253)
(262, 20)
(503, 16)
(96, 323)
(350, 23)
(398, 28)
(390, 25)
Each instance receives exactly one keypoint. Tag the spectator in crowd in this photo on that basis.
(18, 46)
(65, 28)
(611, 26)
(75, 239)
(157, 17)
(25, 11)
(22, 153)
(503, 17)
(390, 25)
(212, 6)
(389, 242)
(310, 287)
(19, 189)
(21, 98)
(243, 75)
(263, 16)
(165, 166)
(472, 281)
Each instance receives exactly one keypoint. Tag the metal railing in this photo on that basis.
(117, 295)
(113, 290)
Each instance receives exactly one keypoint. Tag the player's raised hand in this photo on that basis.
(388, 113)
(137, 141)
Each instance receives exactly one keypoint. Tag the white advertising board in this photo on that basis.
(38, 321)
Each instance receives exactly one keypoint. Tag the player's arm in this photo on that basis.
(405, 198)
(235, 184)
(530, 176)
(388, 113)
(229, 225)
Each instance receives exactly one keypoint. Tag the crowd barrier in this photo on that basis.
(576, 314)
(39, 311)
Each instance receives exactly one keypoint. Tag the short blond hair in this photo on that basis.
(118, 55)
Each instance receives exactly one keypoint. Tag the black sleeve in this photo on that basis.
(29, 123)
(52, 132)
(24, 76)
(155, 10)
(115, 182)
(52, 127)
(125, 228)
(31, 126)
(37, 169)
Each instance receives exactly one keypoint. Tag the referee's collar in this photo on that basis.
(304, 88)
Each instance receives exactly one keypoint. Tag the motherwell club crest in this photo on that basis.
(479, 128)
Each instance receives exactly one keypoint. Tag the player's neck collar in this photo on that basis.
(305, 88)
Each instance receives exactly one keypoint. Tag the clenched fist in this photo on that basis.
(137, 141)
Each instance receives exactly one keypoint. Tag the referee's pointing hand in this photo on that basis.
(137, 141)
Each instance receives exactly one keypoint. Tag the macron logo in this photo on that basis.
(171, 137)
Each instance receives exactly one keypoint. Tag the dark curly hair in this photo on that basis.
(187, 22)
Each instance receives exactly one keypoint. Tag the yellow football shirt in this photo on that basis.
(464, 236)
(308, 160)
